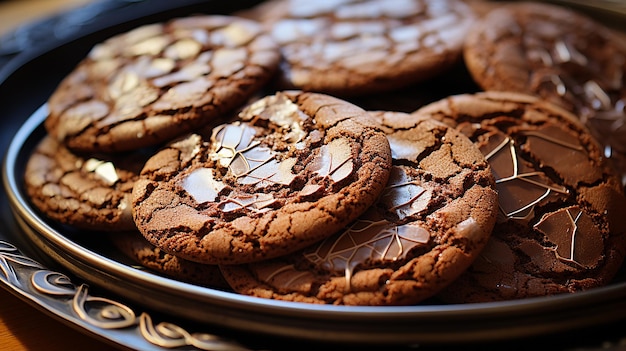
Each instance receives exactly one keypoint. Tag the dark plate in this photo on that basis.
(87, 283)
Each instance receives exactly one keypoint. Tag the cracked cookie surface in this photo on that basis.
(85, 191)
(561, 225)
(363, 46)
(160, 81)
(292, 169)
(560, 55)
(431, 221)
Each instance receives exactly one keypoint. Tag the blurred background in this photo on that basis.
(16, 12)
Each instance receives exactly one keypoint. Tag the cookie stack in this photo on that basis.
(371, 152)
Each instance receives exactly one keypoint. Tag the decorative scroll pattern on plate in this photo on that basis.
(26, 274)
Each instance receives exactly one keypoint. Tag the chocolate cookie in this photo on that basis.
(87, 192)
(561, 226)
(160, 81)
(354, 47)
(560, 55)
(432, 220)
(134, 246)
(294, 168)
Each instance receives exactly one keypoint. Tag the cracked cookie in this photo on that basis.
(85, 191)
(363, 46)
(433, 218)
(561, 225)
(560, 55)
(292, 169)
(160, 81)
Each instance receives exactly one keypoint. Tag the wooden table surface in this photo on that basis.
(24, 327)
